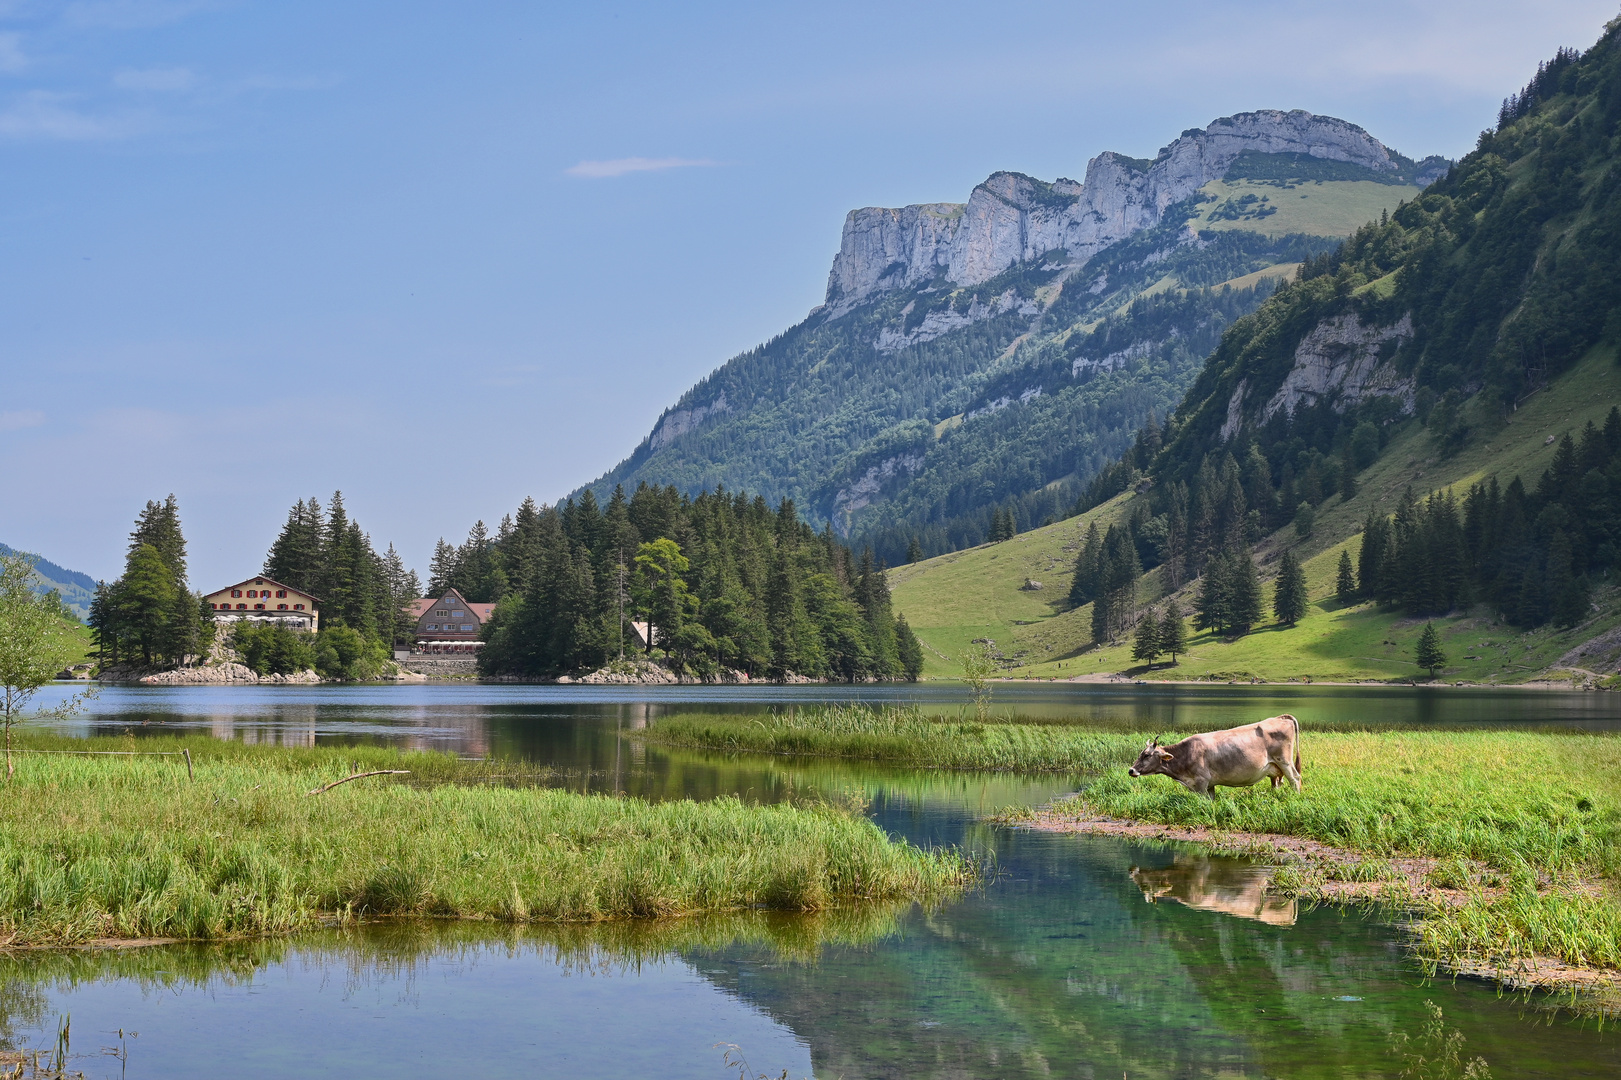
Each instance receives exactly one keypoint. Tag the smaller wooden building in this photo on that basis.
(266, 600)
(449, 624)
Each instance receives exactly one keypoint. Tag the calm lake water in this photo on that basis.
(1058, 967)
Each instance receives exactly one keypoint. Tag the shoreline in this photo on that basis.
(1122, 680)
(1408, 889)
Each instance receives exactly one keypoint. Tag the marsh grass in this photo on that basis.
(1527, 822)
(127, 847)
(901, 735)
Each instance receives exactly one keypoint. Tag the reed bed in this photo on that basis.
(1528, 823)
(899, 735)
(128, 847)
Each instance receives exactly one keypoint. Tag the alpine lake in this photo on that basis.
(1057, 966)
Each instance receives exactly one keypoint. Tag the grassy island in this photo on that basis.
(96, 847)
(1507, 843)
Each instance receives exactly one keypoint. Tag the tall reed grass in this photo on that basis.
(900, 735)
(127, 847)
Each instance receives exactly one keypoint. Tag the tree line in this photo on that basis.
(1530, 554)
(149, 615)
(724, 581)
(323, 552)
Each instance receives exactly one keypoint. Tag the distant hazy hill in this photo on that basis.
(996, 354)
(77, 589)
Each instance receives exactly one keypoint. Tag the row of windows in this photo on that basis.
(443, 614)
(257, 607)
(465, 627)
(281, 594)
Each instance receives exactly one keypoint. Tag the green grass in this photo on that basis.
(1539, 812)
(977, 593)
(128, 847)
(900, 736)
(1320, 208)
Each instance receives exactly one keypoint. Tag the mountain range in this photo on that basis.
(988, 358)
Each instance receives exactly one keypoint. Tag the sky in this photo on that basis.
(444, 256)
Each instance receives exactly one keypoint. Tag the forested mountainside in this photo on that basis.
(75, 589)
(985, 360)
(1454, 309)
(1430, 407)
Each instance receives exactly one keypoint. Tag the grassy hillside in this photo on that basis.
(979, 593)
(1320, 207)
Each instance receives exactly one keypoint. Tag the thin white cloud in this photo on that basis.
(597, 170)
(156, 80)
(43, 115)
(12, 59)
(26, 418)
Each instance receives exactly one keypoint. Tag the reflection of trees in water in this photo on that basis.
(392, 956)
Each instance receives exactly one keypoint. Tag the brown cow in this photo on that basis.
(1237, 757)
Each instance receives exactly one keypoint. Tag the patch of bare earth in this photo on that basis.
(1404, 881)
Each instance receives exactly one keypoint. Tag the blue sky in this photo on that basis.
(445, 256)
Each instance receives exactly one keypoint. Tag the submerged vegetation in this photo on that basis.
(1528, 823)
(116, 846)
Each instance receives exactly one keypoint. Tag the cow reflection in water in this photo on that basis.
(1223, 885)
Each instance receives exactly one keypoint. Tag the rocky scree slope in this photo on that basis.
(994, 355)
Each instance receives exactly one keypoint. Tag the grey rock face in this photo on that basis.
(1012, 218)
(680, 421)
(1341, 358)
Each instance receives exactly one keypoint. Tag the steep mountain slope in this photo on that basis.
(983, 593)
(76, 589)
(995, 354)
(1466, 345)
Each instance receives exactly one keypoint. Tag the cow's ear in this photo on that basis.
(1164, 754)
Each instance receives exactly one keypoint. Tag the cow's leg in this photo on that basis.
(1290, 773)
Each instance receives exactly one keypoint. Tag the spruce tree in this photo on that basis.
(1145, 644)
(1289, 592)
(297, 557)
(1212, 610)
(442, 568)
(1173, 632)
(1345, 581)
(1246, 591)
(914, 551)
(1428, 652)
(1371, 556)
(1084, 585)
(909, 649)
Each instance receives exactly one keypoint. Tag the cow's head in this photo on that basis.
(1153, 759)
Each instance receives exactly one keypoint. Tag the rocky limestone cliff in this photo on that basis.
(1012, 218)
(1341, 359)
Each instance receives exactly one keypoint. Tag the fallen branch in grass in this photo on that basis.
(357, 776)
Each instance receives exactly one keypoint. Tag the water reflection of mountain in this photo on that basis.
(1063, 970)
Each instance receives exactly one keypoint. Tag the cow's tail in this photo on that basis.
(1296, 723)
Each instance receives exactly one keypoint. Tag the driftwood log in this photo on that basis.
(357, 776)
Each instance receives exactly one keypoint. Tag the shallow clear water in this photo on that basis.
(1057, 967)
